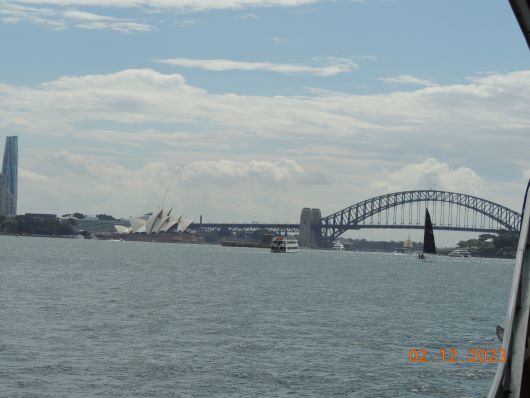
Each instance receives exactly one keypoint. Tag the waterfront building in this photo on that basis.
(9, 178)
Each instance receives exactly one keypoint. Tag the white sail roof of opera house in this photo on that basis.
(160, 221)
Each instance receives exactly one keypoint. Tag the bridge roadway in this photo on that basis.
(282, 228)
(244, 227)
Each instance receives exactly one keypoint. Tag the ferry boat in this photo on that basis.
(460, 253)
(283, 244)
(337, 245)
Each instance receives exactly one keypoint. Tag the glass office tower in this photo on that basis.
(10, 174)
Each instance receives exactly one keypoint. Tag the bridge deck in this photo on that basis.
(295, 227)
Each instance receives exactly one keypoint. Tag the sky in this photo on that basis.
(250, 110)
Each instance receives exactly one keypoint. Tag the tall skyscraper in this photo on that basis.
(9, 178)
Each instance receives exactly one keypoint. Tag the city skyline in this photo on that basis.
(315, 103)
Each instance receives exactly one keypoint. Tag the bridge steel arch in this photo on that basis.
(351, 217)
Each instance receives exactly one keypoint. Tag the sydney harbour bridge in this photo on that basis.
(403, 210)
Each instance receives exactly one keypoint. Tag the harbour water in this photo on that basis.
(81, 318)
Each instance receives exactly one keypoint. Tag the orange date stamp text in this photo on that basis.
(452, 355)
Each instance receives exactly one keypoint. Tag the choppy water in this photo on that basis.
(116, 319)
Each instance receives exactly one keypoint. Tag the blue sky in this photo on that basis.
(446, 41)
(236, 103)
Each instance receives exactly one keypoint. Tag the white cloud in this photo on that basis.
(430, 174)
(188, 23)
(198, 5)
(143, 96)
(84, 16)
(407, 79)
(273, 171)
(249, 16)
(147, 129)
(279, 40)
(368, 58)
(140, 97)
(30, 176)
(57, 14)
(220, 65)
(276, 171)
(62, 20)
(245, 188)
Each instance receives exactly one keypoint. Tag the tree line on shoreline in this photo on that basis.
(28, 225)
(503, 245)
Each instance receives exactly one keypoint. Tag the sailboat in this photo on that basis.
(428, 237)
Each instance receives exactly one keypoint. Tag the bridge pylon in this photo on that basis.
(310, 232)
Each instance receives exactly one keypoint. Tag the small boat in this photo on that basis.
(460, 253)
(337, 245)
(428, 237)
(283, 244)
(407, 247)
(407, 244)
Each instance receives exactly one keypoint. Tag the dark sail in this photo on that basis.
(428, 235)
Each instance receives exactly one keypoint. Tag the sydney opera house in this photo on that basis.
(160, 221)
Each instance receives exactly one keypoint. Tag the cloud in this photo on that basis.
(275, 171)
(368, 58)
(220, 65)
(249, 16)
(91, 21)
(407, 80)
(126, 191)
(140, 97)
(84, 16)
(430, 174)
(279, 40)
(59, 15)
(30, 176)
(143, 97)
(63, 20)
(141, 129)
(195, 5)
(188, 23)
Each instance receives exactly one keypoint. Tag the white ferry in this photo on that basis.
(283, 244)
(337, 245)
(460, 253)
